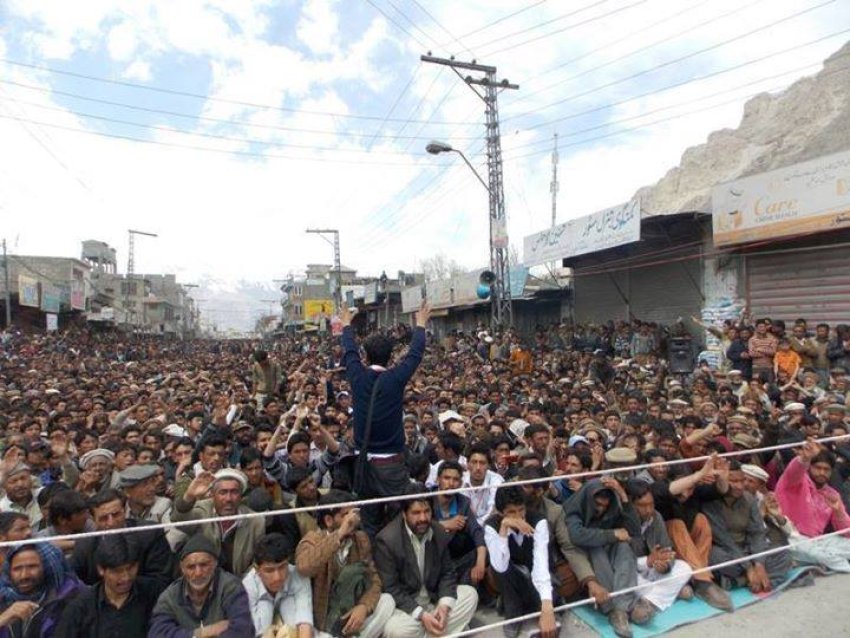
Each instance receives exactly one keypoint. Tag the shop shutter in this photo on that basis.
(597, 299)
(665, 292)
(814, 284)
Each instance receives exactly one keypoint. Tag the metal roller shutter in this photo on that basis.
(665, 292)
(597, 299)
(814, 284)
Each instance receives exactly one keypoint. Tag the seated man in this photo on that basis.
(518, 544)
(275, 588)
(19, 494)
(205, 601)
(805, 497)
(338, 559)
(479, 474)
(570, 566)
(680, 502)
(233, 540)
(412, 557)
(602, 522)
(738, 530)
(656, 559)
(68, 514)
(108, 511)
(139, 484)
(119, 605)
(454, 513)
(35, 587)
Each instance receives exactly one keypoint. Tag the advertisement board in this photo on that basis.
(370, 293)
(28, 291)
(317, 309)
(51, 298)
(52, 322)
(78, 295)
(607, 228)
(804, 198)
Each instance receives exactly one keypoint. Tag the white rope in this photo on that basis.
(629, 590)
(405, 497)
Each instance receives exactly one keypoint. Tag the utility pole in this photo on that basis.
(502, 311)
(337, 263)
(131, 265)
(554, 187)
(8, 292)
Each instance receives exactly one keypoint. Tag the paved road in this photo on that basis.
(818, 610)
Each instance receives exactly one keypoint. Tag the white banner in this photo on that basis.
(411, 299)
(604, 229)
(813, 196)
(52, 322)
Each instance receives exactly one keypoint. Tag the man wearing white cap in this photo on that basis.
(234, 539)
(97, 472)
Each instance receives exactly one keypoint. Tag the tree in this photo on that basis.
(439, 267)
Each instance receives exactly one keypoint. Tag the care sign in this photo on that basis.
(804, 198)
(605, 229)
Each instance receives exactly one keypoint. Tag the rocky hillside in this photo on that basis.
(809, 119)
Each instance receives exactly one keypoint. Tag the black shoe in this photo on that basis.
(714, 595)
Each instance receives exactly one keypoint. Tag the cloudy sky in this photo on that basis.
(230, 126)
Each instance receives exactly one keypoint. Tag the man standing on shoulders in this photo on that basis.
(379, 393)
(338, 559)
(205, 602)
(412, 557)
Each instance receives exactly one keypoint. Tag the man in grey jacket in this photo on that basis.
(205, 601)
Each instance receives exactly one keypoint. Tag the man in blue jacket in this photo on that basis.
(384, 472)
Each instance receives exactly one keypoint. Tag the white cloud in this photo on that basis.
(318, 26)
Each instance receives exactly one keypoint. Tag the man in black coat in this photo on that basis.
(412, 557)
(108, 510)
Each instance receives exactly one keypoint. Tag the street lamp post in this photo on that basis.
(501, 312)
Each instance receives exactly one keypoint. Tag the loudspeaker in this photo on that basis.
(681, 356)
(487, 277)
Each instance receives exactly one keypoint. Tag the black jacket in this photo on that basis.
(89, 615)
(156, 560)
(396, 563)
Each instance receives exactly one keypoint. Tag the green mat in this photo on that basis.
(681, 612)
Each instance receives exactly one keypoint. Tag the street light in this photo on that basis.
(435, 148)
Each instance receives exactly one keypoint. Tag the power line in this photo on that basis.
(681, 83)
(664, 40)
(395, 104)
(676, 60)
(489, 25)
(215, 136)
(655, 122)
(199, 96)
(441, 27)
(613, 42)
(567, 28)
(410, 21)
(208, 149)
(204, 118)
(397, 25)
(539, 25)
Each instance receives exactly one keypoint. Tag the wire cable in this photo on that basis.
(441, 27)
(674, 61)
(397, 25)
(492, 24)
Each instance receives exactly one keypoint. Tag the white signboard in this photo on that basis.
(605, 229)
(411, 299)
(370, 293)
(52, 322)
(804, 198)
(440, 293)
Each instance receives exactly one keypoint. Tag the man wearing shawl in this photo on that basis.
(35, 585)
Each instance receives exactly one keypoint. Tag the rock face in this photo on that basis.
(809, 119)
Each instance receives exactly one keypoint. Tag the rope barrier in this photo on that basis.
(629, 590)
(395, 499)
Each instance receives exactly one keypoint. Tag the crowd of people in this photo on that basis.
(209, 488)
